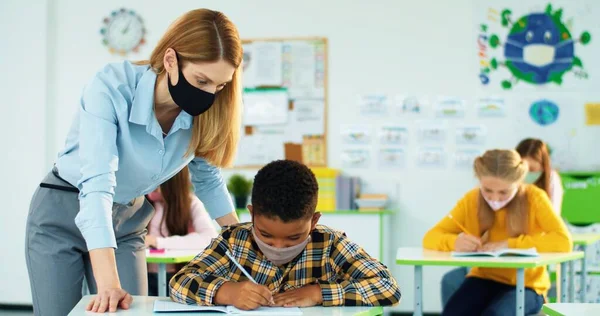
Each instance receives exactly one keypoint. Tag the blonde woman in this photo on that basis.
(138, 125)
(512, 214)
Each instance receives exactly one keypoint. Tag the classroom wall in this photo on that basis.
(425, 48)
(23, 125)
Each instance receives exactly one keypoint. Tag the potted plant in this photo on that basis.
(240, 188)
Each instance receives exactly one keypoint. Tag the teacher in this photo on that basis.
(138, 124)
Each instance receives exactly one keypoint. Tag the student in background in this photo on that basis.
(535, 153)
(180, 222)
(294, 261)
(513, 215)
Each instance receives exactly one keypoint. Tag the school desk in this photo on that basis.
(582, 241)
(169, 257)
(419, 257)
(571, 309)
(144, 305)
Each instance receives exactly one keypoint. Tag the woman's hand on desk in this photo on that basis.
(108, 300)
(467, 243)
(110, 294)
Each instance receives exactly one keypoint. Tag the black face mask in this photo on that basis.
(192, 100)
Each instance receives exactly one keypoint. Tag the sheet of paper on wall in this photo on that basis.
(355, 158)
(356, 134)
(248, 66)
(303, 67)
(250, 151)
(392, 158)
(463, 158)
(431, 157)
(393, 135)
(491, 107)
(266, 59)
(410, 104)
(264, 145)
(592, 114)
(432, 132)
(471, 134)
(307, 118)
(450, 107)
(265, 106)
(374, 104)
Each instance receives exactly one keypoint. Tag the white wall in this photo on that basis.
(23, 128)
(425, 47)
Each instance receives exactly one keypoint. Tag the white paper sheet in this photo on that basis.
(265, 107)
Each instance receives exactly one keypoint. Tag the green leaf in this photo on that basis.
(506, 17)
(494, 41)
(558, 14)
(494, 63)
(577, 62)
(585, 38)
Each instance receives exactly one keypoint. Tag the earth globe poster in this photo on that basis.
(538, 45)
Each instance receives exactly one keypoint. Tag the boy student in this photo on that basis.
(291, 261)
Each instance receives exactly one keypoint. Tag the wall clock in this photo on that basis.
(123, 32)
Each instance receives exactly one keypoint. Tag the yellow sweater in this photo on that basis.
(547, 233)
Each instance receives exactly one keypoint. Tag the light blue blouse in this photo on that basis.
(115, 152)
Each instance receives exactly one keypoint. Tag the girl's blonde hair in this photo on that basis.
(508, 166)
(204, 35)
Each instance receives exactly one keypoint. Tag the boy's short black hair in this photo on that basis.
(285, 189)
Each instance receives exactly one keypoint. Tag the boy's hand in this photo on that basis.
(306, 296)
(244, 295)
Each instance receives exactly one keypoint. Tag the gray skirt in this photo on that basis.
(56, 253)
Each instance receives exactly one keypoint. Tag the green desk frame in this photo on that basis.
(418, 257)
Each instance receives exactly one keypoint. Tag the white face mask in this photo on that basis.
(538, 55)
(498, 205)
(280, 256)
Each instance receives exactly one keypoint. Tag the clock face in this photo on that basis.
(123, 32)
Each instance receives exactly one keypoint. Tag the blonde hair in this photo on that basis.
(508, 166)
(204, 35)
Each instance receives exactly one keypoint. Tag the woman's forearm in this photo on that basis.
(104, 266)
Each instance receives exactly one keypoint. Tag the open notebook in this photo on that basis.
(508, 252)
(161, 306)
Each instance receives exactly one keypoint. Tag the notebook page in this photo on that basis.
(282, 311)
(164, 306)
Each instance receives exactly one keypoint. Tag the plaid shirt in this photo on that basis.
(346, 273)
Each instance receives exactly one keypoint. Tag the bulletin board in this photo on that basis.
(285, 102)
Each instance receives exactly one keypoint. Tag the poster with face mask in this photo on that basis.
(528, 45)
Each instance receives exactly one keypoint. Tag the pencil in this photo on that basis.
(460, 226)
(237, 264)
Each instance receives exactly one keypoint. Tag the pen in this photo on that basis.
(237, 264)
